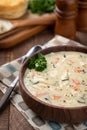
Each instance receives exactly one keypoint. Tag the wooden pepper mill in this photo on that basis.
(82, 16)
(66, 12)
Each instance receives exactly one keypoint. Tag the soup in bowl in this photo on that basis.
(58, 91)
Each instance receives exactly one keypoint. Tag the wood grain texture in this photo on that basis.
(4, 118)
(20, 36)
(66, 12)
(25, 28)
(17, 121)
(82, 16)
(48, 19)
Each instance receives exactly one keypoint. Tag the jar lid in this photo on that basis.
(67, 5)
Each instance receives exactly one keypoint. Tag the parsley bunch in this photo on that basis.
(41, 6)
(39, 63)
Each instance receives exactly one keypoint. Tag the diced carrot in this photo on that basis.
(57, 59)
(77, 82)
(55, 97)
(71, 61)
(76, 88)
(78, 69)
(41, 94)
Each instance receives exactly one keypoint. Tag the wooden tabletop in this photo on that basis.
(11, 118)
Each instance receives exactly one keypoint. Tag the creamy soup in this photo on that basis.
(63, 82)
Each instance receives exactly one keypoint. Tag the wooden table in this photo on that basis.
(11, 118)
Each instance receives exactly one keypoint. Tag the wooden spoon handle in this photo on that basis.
(20, 36)
(41, 20)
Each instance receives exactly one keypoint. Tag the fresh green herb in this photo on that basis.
(31, 64)
(41, 6)
(39, 63)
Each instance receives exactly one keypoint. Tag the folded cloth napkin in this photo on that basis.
(9, 71)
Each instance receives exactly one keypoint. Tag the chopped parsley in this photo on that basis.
(41, 6)
(39, 63)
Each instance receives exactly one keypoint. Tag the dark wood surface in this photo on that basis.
(11, 118)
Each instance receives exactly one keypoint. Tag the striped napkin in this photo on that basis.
(9, 71)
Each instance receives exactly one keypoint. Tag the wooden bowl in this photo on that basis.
(48, 111)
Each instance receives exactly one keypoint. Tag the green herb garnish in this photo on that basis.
(41, 6)
(31, 64)
(39, 63)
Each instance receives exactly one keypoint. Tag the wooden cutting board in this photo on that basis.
(17, 36)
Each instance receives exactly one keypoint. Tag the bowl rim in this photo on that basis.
(23, 68)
